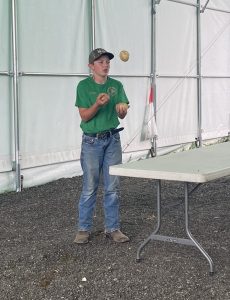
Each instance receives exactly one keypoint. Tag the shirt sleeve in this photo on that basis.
(122, 95)
(81, 97)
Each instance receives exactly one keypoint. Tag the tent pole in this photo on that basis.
(16, 166)
(93, 22)
(199, 78)
(153, 149)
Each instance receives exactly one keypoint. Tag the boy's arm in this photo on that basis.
(87, 114)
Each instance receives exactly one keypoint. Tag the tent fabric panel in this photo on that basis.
(215, 62)
(176, 39)
(126, 27)
(215, 108)
(5, 88)
(62, 33)
(49, 121)
(221, 5)
(215, 43)
(40, 175)
(5, 35)
(176, 110)
(137, 90)
(6, 124)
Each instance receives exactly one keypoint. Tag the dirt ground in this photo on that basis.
(38, 259)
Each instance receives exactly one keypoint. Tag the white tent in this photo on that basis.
(179, 53)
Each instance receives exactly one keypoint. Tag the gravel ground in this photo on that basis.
(40, 261)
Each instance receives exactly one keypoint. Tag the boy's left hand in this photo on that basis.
(121, 109)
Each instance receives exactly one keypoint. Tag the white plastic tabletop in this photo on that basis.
(196, 165)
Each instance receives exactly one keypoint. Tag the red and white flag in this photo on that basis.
(149, 127)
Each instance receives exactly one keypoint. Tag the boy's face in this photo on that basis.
(101, 66)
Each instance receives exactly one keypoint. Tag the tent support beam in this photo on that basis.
(191, 4)
(46, 74)
(199, 79)
(93, 22)
(5, 73)
(153, 150)
(191, 76)
(182, 2)
(204, 7)
(16, 163)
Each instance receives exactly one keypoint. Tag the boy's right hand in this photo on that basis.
(102, 99)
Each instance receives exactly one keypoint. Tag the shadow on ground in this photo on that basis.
(40, 261)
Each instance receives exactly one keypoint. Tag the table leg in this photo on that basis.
(189, 233)
(148, 239)
(190, 241)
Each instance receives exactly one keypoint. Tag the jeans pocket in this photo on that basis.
(116, 137)
(88, 139)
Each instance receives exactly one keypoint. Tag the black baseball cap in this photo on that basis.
(96, 53)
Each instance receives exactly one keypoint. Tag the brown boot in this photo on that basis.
(117, 236)
(82, 237)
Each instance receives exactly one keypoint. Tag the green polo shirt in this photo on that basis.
(106, 117)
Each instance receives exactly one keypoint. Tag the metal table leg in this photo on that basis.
(190, 241)
(190, 235)
(146, 241)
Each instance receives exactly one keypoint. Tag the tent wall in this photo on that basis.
(5, 89)
(176, 73)
(216, 72)
(53, 41)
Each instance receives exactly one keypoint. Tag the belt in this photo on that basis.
(104, 134)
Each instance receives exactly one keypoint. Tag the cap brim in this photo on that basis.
(110, 55)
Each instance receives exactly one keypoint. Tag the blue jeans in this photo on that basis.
(96, 157)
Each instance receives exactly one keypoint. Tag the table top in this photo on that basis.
(195, 165)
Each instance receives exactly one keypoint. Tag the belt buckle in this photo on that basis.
(102, 135)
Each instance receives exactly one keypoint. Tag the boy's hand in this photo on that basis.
(121, 109)
(102, 99)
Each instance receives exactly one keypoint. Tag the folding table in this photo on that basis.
(197, 166)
